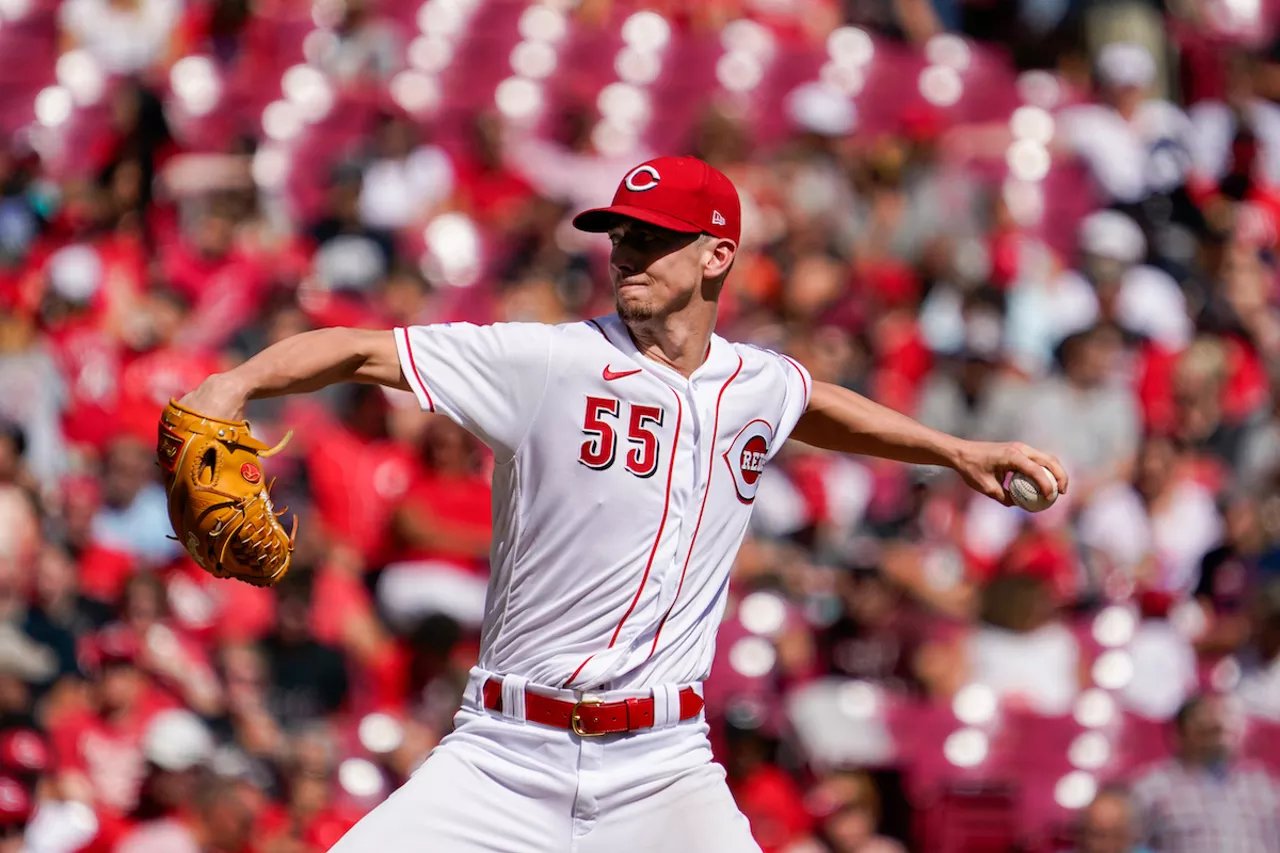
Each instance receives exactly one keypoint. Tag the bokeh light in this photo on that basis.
(1075, 790)
(542, 23)
(739, 72)
(646, 31)
(81, 75)
(53, 106)
(941, 85)
(196, 83)
(1095, 709)
(533, 59)
(415, 91)
(518, 98)
(753, 657)
(974, 704)
(966, 748)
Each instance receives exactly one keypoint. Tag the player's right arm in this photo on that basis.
(299, 364)
(489, 379)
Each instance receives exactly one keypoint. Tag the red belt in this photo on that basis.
(591, 717)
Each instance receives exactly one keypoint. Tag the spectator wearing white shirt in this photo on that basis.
(1112, 284)
(1091, 423)
(1021, 649)
(1239, 134)
(406, 180)
(1259, 688)
(1207, 800)
(125, 36)
(1134, 145)
(1157, 529)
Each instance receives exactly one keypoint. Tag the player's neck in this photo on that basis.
(681, 341)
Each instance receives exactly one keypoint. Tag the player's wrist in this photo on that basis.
(952, 452)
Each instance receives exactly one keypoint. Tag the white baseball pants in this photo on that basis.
(498, 784)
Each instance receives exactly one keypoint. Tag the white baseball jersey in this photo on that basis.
(621, 491)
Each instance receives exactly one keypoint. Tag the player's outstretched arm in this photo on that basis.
(839, 419)
(298, 364)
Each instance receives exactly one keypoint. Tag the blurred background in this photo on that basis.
(1045, 220)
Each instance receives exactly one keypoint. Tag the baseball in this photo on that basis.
(1024, 492)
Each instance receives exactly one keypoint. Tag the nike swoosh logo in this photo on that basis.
(609, 375)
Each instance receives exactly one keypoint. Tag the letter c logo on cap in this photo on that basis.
(631, 184)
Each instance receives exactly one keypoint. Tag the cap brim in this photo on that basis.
(603, 218)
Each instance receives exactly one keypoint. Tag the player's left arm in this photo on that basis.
(839, 419)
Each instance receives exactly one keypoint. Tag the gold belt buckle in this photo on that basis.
(575, 718)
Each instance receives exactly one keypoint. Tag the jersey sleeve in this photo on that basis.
(489, 379)
(798, 386)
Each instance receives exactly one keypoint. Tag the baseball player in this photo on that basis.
(628, 450)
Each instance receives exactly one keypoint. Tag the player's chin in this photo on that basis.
(634, 309)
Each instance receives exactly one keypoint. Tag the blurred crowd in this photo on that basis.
(1053, 221)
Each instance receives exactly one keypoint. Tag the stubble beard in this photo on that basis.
(631, 312)
(648, 310)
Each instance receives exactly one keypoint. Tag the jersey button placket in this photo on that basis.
(686, 483)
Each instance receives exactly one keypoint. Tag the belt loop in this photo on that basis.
(666, 706)
(513, 687)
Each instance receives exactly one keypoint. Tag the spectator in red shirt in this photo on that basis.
(767, 795)
(167, 367)
(87, 356)
(307, 821)
(176, 662)
(486, 188)
(15, 814)
(223, 283)
(357, 473)
(98, 749)
(101, 569)
(220, 818)
(444, 524)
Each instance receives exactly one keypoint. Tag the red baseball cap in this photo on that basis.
(15, 802)
(677, 193)
(23, 751)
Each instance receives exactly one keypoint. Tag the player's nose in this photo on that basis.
(623, 263)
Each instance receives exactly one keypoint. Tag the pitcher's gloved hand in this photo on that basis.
(218, 496)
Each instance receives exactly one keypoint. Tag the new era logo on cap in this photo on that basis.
(678, 193)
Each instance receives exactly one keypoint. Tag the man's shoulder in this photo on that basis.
(757, 359)
(1150, 780)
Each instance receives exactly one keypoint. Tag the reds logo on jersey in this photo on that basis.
(746, 456)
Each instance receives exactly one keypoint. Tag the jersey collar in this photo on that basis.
(719, 363)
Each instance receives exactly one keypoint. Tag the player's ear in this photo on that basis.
(718, 257)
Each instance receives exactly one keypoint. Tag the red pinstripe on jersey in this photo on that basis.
(715, 428)
(413, 367)
(803, 381)
(578, 670)
(657, 539)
